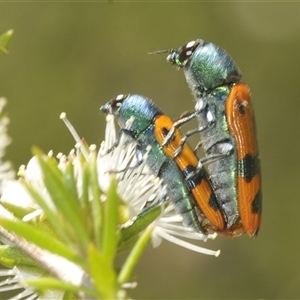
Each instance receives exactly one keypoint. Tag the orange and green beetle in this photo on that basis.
(227, 129)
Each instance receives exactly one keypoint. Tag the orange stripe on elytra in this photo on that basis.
(203, 191)
(247, 193)
(240, 117)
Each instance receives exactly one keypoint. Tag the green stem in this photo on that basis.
(135, 254)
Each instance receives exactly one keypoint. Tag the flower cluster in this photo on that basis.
(136, 187)
(65, 219)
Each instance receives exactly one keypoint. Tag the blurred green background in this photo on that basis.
(73, 57)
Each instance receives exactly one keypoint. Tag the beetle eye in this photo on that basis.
(186, 51)
(121, 97)
(118, 101)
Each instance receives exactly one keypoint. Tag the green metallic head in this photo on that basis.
(124, 107)
(206, 66)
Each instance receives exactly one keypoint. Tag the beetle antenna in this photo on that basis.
(161, 51)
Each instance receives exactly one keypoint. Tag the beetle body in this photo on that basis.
(192, 197)
(227, 129)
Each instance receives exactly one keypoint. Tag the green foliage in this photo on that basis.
(75, 226)
(4, 40)
(11, 256)
(78, 227)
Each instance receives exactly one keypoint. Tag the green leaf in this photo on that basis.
(66, 204)
(134, 255)
(47, 283)
(40, 239)
(52, 216)
(70, 296)
(16, 210)
(70, 181)
(84, 199)
(4, 39)
(102, 274)
(129, 233)
(110, 223)
(11, 256)
(96, 205)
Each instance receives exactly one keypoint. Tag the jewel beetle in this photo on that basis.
(227, 128)
(191, 193)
